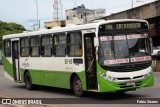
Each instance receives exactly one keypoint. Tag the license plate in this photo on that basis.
(131, 84)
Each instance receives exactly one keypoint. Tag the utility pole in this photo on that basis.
(38, 22)
(132, 4)
(57, 10)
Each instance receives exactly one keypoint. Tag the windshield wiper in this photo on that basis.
(112, 46)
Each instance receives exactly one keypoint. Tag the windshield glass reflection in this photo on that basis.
(121, 48)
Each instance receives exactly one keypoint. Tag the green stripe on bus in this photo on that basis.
(8, 67)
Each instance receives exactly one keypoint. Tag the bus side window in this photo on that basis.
(74, 44)
(24, 50)
(60, 45)
(7, 48)
(35, 46)
(46, 42)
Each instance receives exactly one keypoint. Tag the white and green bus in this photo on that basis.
(105, 56)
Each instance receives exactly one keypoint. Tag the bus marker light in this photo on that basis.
(147, 75)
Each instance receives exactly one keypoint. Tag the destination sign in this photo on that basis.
(137, 59)
(123, 37)
(124, 26)
(116, 61)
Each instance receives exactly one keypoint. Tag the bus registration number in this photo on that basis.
(131, 84)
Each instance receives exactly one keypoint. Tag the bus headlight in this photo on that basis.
(106, 77)
(110, 78)
(147, 75)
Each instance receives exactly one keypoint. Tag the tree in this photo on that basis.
(9, 28)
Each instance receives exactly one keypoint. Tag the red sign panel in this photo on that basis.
(123, 37)
(120, 38)
(116, 61)
(135, 36)
(141, 59)
(106, 38)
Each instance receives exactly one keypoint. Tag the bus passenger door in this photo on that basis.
(15, 60)
(90, 61)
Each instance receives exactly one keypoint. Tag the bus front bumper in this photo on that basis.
(107, 86)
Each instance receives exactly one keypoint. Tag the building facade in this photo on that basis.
(81, 15)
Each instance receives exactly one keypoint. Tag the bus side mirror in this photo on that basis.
(96, 42)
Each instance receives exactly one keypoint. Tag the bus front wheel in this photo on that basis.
(77, 87)
(28, 81)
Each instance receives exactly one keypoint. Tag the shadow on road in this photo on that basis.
(88, 95)
(47, 89)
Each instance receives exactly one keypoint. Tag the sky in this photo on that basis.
(24, 11)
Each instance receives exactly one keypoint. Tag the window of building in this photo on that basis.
(74, 44)
(24, 51)
(35, 45)
(81, 16)
(67, 17)
(46, 49)
(7, 48)
(60, 44)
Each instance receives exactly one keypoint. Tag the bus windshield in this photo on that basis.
(123, 48)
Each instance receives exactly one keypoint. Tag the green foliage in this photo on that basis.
(9, 28)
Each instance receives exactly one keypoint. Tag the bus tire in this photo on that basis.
(28, 81)
(77, 87)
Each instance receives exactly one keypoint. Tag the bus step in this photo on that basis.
(93, 90)
(18, 81)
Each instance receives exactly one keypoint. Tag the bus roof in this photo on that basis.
(65, 29)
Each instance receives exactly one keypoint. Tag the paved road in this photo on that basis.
(17, 90)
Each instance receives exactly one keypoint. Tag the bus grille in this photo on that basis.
(129, 68)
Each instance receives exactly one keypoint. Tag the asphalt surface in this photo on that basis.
(10, 89)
